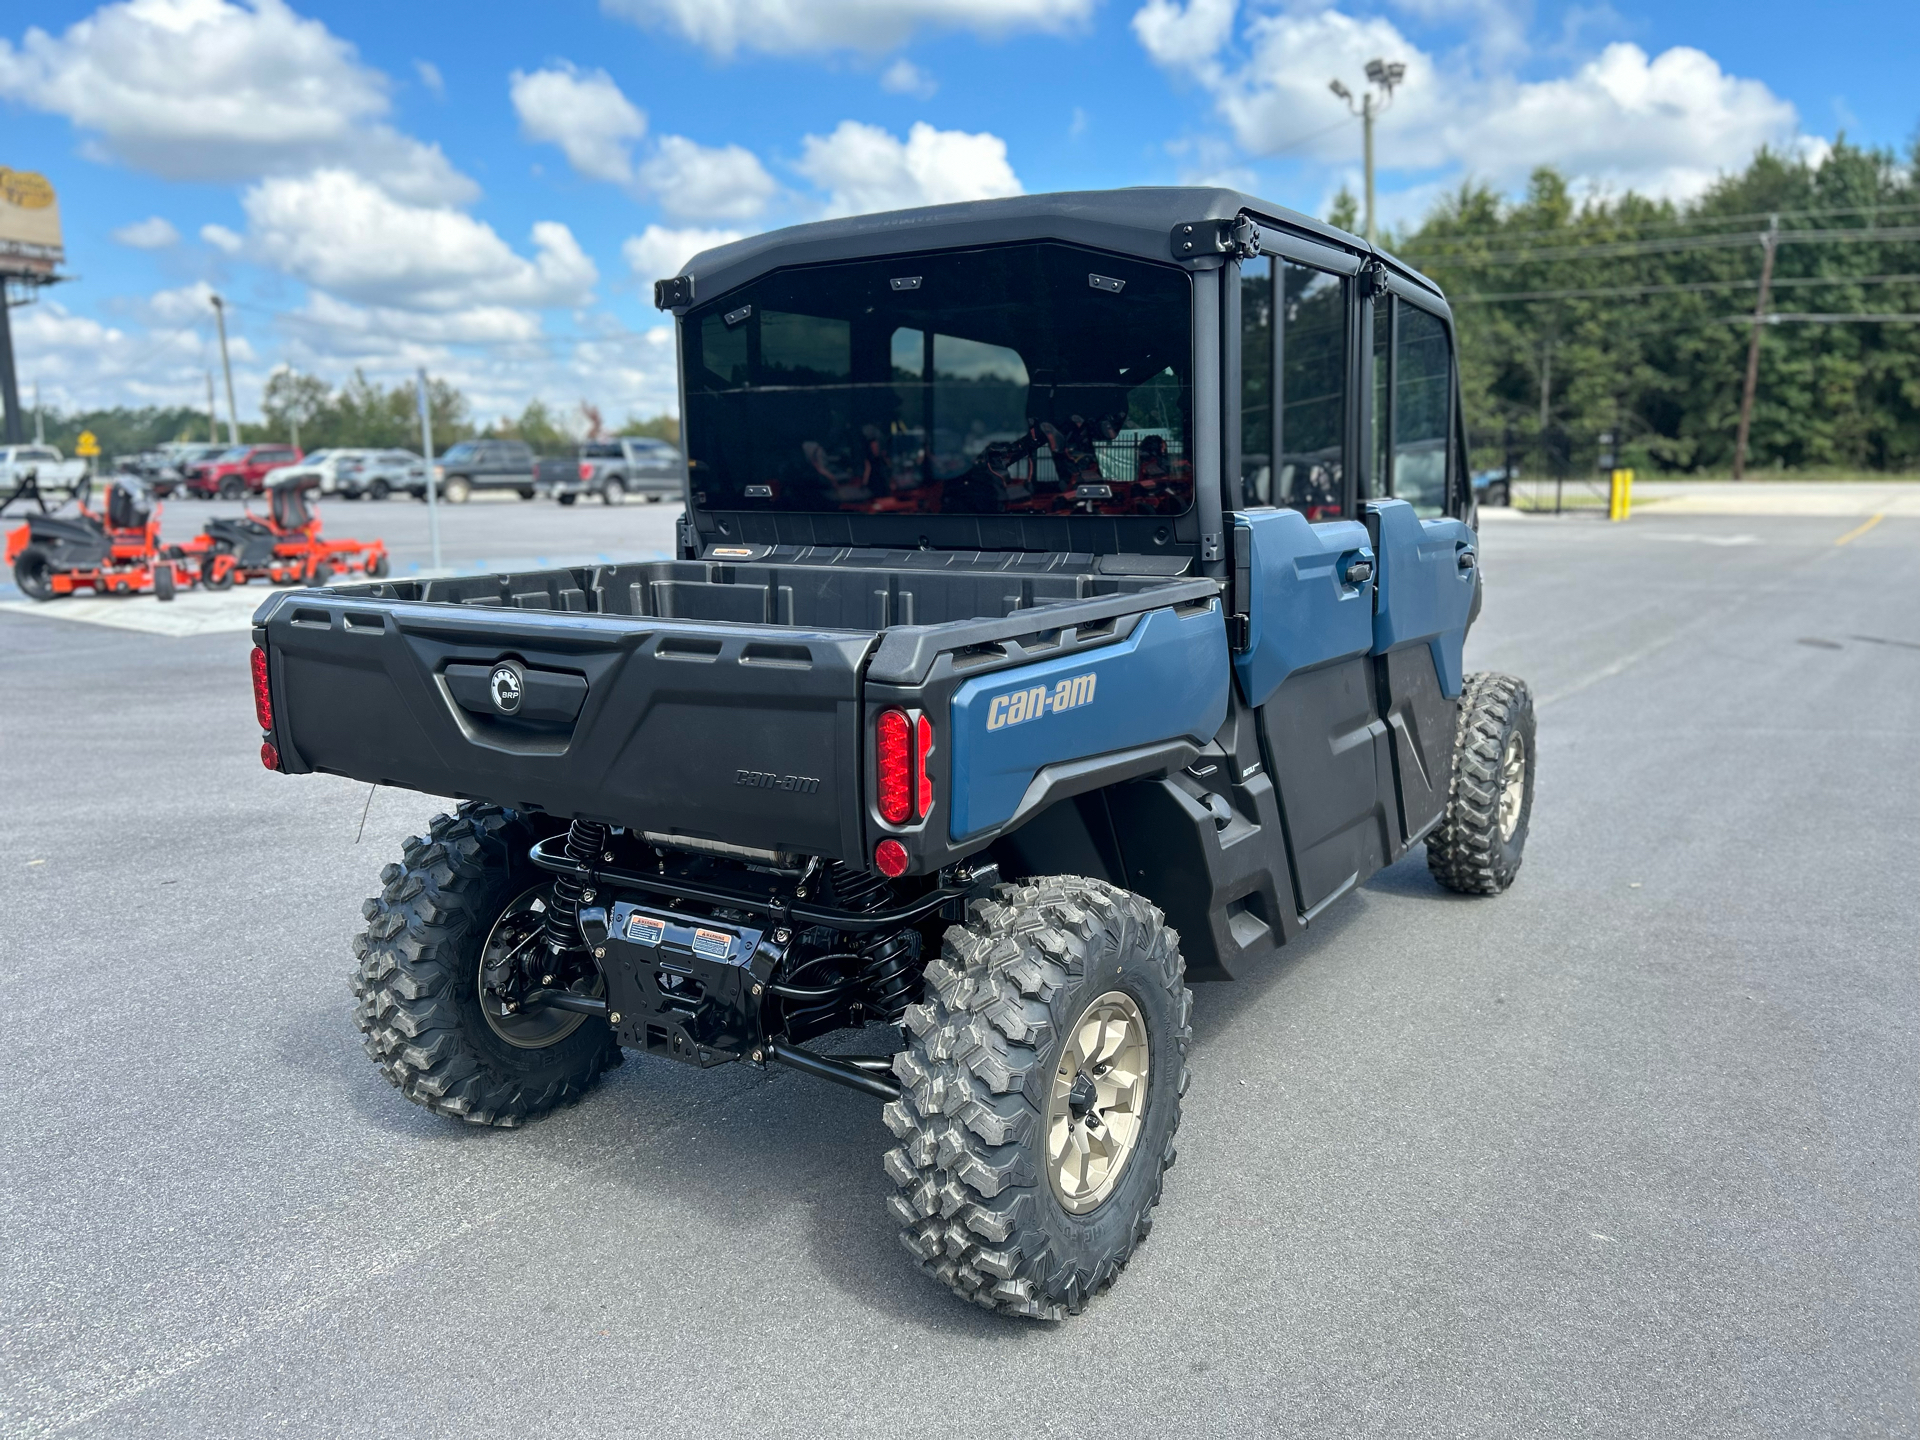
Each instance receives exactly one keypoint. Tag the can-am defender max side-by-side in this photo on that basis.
(1069, 606)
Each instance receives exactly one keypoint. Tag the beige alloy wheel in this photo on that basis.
(1099, 1100)
(1513, 784)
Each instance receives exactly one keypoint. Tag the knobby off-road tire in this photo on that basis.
(417, 980)
(977, 1205)
(1478, 845)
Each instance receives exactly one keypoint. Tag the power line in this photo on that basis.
(1756, 217)
(1599, 292)
(1876, 234)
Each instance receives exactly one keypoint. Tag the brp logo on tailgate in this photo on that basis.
(1019, 706)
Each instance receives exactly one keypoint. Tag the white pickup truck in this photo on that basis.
(43, 463)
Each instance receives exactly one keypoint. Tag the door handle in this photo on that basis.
(1467, 561)
(1358, 572)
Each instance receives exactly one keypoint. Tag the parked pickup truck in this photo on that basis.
(1018, 666)
(40, 463)
(485, 465)
(614, 470)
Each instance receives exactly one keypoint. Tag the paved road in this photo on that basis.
(1629, 1151)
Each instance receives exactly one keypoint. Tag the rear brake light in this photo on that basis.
(922, 787)
(894, 763)
(262, 698)
(586, 471)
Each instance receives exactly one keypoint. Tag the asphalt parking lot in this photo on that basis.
(1631, 1150)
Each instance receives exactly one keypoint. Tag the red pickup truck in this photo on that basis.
(239, 471)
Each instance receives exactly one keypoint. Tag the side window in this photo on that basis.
(1256, 381)
(1422, 387)
(1310, 423)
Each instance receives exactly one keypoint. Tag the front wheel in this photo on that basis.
(1042, 1092)
(465, 896)
(379, 490)
(232, 488)
(33, 573)
(214, 575)
(1482, 836)
(457, 490)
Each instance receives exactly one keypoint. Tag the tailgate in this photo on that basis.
(738, 733)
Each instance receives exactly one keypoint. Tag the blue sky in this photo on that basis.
(489, 191)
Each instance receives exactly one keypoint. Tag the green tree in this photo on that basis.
(537, 426)
(660, 427)
(293, 400)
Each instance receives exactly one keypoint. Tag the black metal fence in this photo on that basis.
(1556, 469)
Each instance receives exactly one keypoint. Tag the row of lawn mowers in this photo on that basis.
(117, 551)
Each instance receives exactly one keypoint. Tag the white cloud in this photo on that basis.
(380, 328)
(431, 77)
(153, 233)
(187, 303)
(903, 77)
(657, 252)
(584, 114)
(1665, 125)
(335, 230)
(221, 238)
(726, 27)
(700, 182)
(863, 168)
(213, 91)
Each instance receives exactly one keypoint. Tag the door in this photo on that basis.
(1428, 558)
(1304, 575)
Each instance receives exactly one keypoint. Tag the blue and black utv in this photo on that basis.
(1069, 606)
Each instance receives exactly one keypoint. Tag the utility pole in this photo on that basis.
(426, 445)
(1769, 242)
(1383, 76)
(12, 432)
(226, 368)
(1546, 385)
(39, 417)
(213, 421)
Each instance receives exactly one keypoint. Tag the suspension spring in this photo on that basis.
(889, 961)
(586, 842)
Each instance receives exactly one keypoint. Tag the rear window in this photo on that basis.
(1038, 378)
(601, 450)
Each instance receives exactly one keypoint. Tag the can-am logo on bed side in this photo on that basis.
(1018, 706)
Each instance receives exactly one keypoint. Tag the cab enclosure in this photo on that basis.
(1121, 534)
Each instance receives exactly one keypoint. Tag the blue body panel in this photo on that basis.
(1424, 594)
(1300, 613)
(1166, 681)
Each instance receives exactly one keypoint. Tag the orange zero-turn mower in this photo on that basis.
(284, 545)
(115, 553)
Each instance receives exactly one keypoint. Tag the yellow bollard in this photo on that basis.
(1620, 495)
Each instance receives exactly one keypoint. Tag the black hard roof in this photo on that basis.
(1138, 221)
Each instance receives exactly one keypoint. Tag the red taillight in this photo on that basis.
(890, 857)
(269, 756)
(262, 698)
(586, 471)
(894, 763)
(923, 787)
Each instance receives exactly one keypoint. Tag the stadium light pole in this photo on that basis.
(426, 444)
(1382, 76)
(233, 413)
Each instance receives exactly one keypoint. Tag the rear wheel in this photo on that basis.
(464, 895)
(613, 493)
(163, 586)
(527, 492)
(33, 573)
(1043, 1085)
(653, 499)
(378, 567)
(1482, 835)
(567, 499)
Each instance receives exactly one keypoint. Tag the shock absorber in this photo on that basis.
(889, 960)
(586, 842)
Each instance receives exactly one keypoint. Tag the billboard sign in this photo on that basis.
(29, 224)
